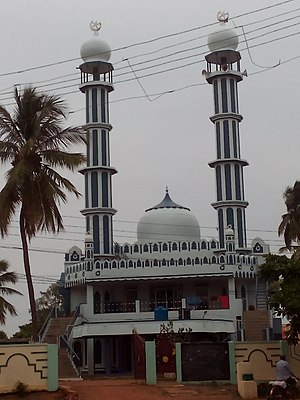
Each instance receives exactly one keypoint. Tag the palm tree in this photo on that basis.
(6, 278)
(290, 224)
(34, 141)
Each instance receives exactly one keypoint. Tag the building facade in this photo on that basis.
(170, 273)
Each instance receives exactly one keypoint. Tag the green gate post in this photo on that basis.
(178, 363)
(232, 367)
(52, 367)
(150, 363)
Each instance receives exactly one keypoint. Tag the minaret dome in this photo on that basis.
(95, 49)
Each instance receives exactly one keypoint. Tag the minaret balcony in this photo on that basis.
(220, 161)
(230, 203)
(98, 210)
(111, 170)
(222, 116)
(211, 76)
(98, 124)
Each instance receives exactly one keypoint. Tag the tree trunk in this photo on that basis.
(28, 277)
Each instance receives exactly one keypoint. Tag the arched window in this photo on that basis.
(180, 262)
(188, 261)
(97, 265)
(155, 247)
(136, 248)
(165, 247)
(138, 263)
(184, 246)
(147, 263)
(222, 259)
(97, 303)
(126, 248)
(106, 265)
(114, 264)
(164, 263)
(172, 262)
(174, 247)
(197, 261)
(213, 260)
(205, 260)
(130, 264)
(203, 246)
(122, 264)
(194, 246)
(155, 263)
(146, 248)
(213, 244)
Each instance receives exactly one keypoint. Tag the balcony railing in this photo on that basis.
(191, 303)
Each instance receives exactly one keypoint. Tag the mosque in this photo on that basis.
(207, 287)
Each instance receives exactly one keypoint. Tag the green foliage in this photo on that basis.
(182, 335)
(6, 278)
(290, 224)
(283, 276)
(25, 332)
(21, 389)
(48, 299)
(36, 145)
(3, 335)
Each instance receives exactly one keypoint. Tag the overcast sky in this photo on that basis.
(170, 140)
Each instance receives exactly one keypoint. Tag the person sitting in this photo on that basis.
(283, 370)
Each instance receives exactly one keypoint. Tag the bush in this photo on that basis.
(21, 389)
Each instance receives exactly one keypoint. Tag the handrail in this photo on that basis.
(52, 313)
(66, 338)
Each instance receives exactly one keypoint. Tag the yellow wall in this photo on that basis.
(262, 355)
(27, 364)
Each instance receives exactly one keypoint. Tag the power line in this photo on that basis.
(144, 42)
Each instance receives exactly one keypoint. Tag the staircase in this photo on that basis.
(255, 322)
(261, 295)
(56, 328)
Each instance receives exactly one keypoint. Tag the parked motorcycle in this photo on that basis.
(283, 390)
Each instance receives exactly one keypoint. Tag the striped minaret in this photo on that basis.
(96, 84)
(224, 74)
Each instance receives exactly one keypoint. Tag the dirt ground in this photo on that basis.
(130, 389)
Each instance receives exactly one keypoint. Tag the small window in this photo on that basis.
(184, 246)
(188, 261)
(126, 248)
(174, 247)
(172, 262)
(165, 247)
(197, 261)
(194, 246)
(203, 246)
(213, 244)
(155, 247)
(180, 262)
(155, 263)
(136, 248)
(146, 248)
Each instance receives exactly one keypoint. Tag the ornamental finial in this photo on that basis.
(223, 16)
(95, 26)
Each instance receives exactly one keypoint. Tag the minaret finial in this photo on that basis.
(167, 189)
(223, 16)
(95, 26)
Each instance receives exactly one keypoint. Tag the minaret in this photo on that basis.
(224, 74)
(96, 84)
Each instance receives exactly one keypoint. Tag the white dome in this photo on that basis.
(95, 49)
(168, 222)
(223, 38)
(88, 238)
